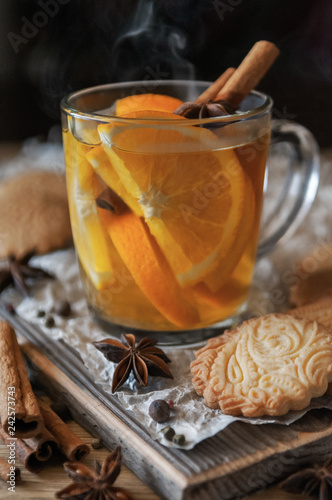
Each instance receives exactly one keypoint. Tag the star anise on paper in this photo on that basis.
(205, 110)
(17, 271)
(315, 480)
(95, 484)
(142, 358)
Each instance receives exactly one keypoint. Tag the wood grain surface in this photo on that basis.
(52, 478)
(235, 462)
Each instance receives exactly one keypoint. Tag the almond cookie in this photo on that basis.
(33, 214)
(313, 277)
(267, 366)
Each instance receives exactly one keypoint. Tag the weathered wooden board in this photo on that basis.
(235, 462)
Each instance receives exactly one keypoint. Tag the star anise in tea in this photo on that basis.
(17, 271)
(95, 484)
(143, 358)
(109, 200)
(205, 110)
(315, 480)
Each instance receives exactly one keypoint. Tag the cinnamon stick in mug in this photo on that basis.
(6, 471)
(69, 444)
(249, 73)
(19, 410)
(210, 93)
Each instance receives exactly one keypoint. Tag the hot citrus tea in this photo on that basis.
(165, 213)
(165, 185)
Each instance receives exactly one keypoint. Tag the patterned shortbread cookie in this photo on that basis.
(267, 366)
(320, 311)
(33, 214)
(313, 277)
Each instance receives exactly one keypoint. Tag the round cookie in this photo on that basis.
(267, 366)
(313, 277)
(33, 214)
(320, 310)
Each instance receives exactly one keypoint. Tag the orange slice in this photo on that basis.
(149, 268)
(192, 195)
(100, 164)
(225, 301)
(84, 131)
(228, 260)
(88, 179)
(142, 102)
(92, 242)
(232, 294)
(75, 157)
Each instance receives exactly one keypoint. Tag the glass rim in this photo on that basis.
(239, 116)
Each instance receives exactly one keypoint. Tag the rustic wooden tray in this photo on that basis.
(240, 459)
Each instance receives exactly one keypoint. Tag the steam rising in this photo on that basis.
(150, 49)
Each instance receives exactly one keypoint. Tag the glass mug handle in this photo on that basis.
(300, 184)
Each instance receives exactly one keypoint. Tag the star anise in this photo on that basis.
(109, 200)
(142, 358)
(315, 480)
(17, 271)
(205, 110)
(95, 484)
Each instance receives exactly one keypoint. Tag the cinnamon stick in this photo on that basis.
(19, 410)
(249, 73)
(23, 453)
(7, 471)
(69, 444)
(210, 93)
(44, 445)
(31, 452)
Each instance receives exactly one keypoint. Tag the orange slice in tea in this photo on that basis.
(231, 295)
(92, 242)
(101, 165)
(228, 259)
(76, 162)
(192, 195)
(149, 268)
(142, 102)
(226, 301)
(88, 179)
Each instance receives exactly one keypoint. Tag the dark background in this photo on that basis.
(51, 47)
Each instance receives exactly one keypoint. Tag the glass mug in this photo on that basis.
(165, 211)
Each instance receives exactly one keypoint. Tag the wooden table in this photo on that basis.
(52, 478)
